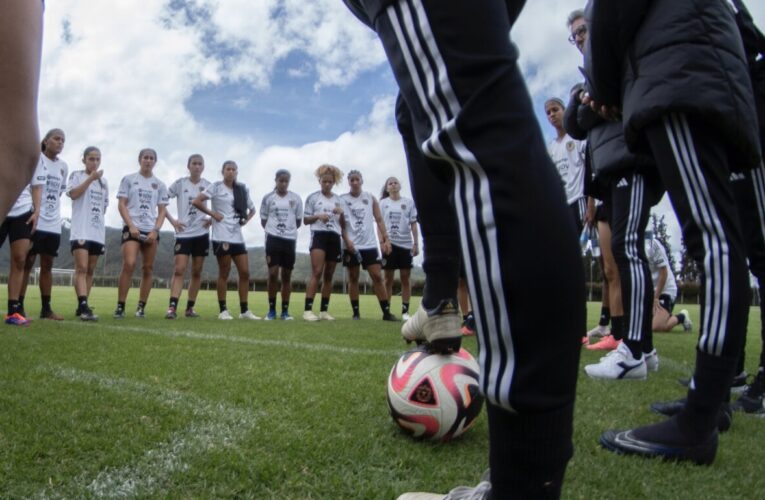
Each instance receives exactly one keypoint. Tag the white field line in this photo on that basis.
(214, 426)
(187, 334)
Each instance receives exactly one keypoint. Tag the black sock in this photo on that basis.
(635, 347)
(190, 304)
(82, 302)
(45, 299)
(308, 304)
(174, 302)
(272, 304)
(617, 327)
(324, 304)
(285, 306)
(680, 318)
(243, 307)
(355, 307)
(13, 306)
(222, 305)
(141, 304)
(121, 305)
(404, 307)
(21, 302)
(605, 316)
(385, 306)
(711, 381)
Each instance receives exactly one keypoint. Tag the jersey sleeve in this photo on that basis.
(309, 206)
(412, 212)
(106, 193)
(124, 190)
(250, 203)
(175, 187)
(40, 176)
(64, 177)
(162, 195)
(75, 179)
(298, 209)
(264, 207)
(209, 191)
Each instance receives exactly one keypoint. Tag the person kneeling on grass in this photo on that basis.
(665, 289)
(230, 208)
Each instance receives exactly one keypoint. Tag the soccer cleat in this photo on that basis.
(671, 408)
(225, 315)
(618, 365)
(752, 401)
(86, 314)
(270, 316)
(139, 312)
(737, 386)
(651, 361)
(119, 313)
(482, 491)
(324, 315)
(389, 317)
(662, 440)
(439, 327)
(687, 324)
(405, 316)
(77, 312)
(248, 315)
(286, 316)
(310, 316)
(356, 317)
(607, 343)
(599, 332)
(191, 313)
(49, 314)
(171, 314)
(16, 319)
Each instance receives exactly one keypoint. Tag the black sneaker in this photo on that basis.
(86, 314)
(191, 313)
(751, 401)
(665, 440)
(356, 317)
(671, 408)
(737, 386)
(389, 317)
(119, 313)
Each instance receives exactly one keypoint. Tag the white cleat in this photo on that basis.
(248, 315)
(439, 327)
(310, 316)
(651, 361)
(405, 317)
(324, 315)
(225, 315)
(618, 365)
(687, 324)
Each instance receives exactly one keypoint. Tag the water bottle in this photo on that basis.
(594, 242)
(584, 238)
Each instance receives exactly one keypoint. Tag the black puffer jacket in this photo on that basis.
(653, 57)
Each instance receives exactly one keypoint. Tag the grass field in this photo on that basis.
(204, 408)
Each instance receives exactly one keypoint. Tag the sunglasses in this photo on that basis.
(578, 33)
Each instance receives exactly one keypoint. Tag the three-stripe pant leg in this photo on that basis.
(749, 191)
(432, 191)
(693, 164)
(632, 196)
(470, 107)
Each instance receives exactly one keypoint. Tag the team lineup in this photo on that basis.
(354, 228)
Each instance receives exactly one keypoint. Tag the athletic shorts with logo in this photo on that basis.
(280, 252)
(221, 248)
(369, 257)
(197, 246)
(398, 258)
(93, 247)
(329, 242)
(126, 236)
(45, 243)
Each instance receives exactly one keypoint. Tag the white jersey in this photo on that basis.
(359, 220)
(88, 210)
(56, 174)
(316, 204)
(222, 201)
(282, 214)
(657, 258)
(399, 215)
(186, 191)
(24, 202)
(568, 157)
(143, 195)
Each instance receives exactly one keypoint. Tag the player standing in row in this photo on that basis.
(281, 213)
(324, 213)
(47, 237)
(568, 156)
(142, 205)
(89, 192)
(362, 212)
(192, 235)
(18, 227)
(400, 219)
(230, 208)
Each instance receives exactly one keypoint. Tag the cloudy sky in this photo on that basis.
(268, 83)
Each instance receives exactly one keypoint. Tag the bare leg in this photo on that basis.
(148, 252)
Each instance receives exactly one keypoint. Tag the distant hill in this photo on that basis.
(111, 264)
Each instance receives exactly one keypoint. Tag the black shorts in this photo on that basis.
(126, 236)
(329, 241)
(45, 243)
(280, 252)
(93, 248)
(399, 258)
(369, 257)
(221, 248)
(16, 228)
(666, 302)
(197, 246)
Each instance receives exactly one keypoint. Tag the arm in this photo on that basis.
(199, 203)
(382, 231)
(161, 214)
(571, 115)
(36, 204)
(125, 214)
(79, 190)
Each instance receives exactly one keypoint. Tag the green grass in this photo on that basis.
(203, 408)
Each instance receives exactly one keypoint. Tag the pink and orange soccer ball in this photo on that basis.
(434, 396)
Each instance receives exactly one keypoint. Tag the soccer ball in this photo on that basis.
(434, 396)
